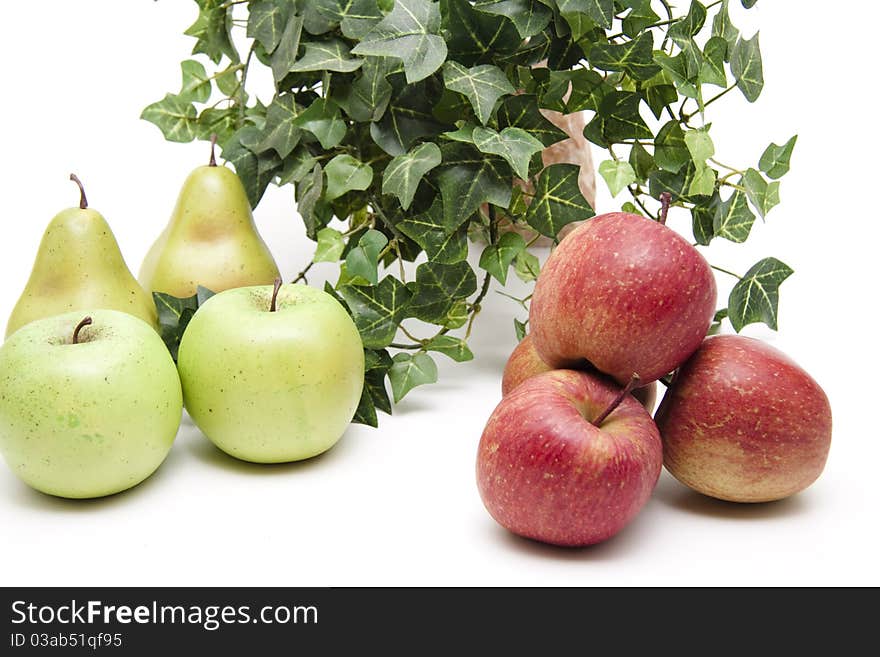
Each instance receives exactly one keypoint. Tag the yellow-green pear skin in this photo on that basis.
(211, 240)
(79, 266)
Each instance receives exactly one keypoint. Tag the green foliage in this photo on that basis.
(407, 128)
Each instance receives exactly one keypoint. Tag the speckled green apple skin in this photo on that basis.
(272, 387)
(88, 419)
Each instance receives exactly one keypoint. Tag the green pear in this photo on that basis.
(79, 266)
(211, 239)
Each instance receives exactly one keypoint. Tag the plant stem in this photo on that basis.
(616, 401)
(665, 200)
(276, 287)
(83, 202)
(302, 275)
(86, 321)
(241, 91)
(725, 271)
(213, 161)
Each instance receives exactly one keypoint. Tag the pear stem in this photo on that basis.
(616, 401)
(83, 202)
(665, 200)
(213, 161)
(272, 308)
(86, 321)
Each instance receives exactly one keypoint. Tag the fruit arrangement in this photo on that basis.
(570, 456)
(417, 133)
(269, 373)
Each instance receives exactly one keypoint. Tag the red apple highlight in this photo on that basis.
(742, 422)
(525, 362)
(544, 471)
(627, 294)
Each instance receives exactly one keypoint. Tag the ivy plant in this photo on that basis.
(406, 126)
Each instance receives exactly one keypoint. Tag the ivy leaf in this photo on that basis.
(366, 99)
(281, 131)
(699, 144)
(377, 362)
(309, 192)
(496, 258)
(635, 57)
(211, 31)
(703, 219)
(526, 266)
(723, 28)
(256, 170)
(617, 175)
(776, 159)
(344, 174)
(755, 297)
(618, 119)
(407, 119)
(482, 85)
(734, 220)
(746, 67)
(355, 17)
(515, 145)
(220, 122)
(297, 166)
(411, 370)
(377, 310)
(363, 259)
(558, 200)
(475, 37)
(748, 4)
(284, 55)
(642, 162)
(763, 195)
(174, 116)
(266, 22)
(703, 181)
(330, 245)
(467, 179)
(322, 119)
(719, 317)
(195, 85)
(174, 315)
(670, 149)
(330, 55)
(640, 17)
(522, 112)
(437, 287)
(588, 88)
(601, 12)
(404, 172)
(443, 245)
(678, 183)
(411, 33)
(714, 54)
(520, 329)
(684, 30)
(455, 348)
(528, 17)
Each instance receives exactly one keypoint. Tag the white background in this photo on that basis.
(398, 505)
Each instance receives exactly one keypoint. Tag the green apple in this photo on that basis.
(87, 408)
(272, 375)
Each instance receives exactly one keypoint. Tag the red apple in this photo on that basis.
(743, 422)
(547, 472)
(525, 362)
(627, 294)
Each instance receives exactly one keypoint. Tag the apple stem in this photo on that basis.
(272, 308)
(213, 161)
(83, 202)
(86, 321)
(665, 200)
(616, 401)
